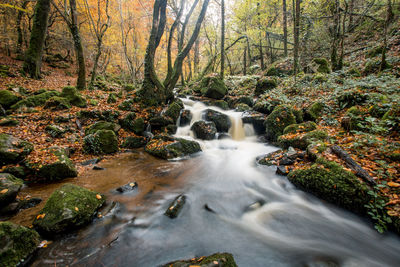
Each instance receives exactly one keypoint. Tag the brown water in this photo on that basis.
(257, 216)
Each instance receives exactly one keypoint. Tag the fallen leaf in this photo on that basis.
(76, 208)
(40, 216)
(4, 191)
(393, 184)
(98, 196)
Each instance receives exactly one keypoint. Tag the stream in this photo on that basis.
(232, 205)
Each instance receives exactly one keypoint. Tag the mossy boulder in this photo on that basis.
(186, 117)
(393, 115)
(127, 121)
(8, 98)
(351, 98)
(167, 147)
(329, 181)
(204, 130)
(217, 259)
(127, 105)
(323, 65)
(256, 119)
(55, 131)
(17, 243)
(9, 188)
(313, 112)
(12, 149)
(264, 85)
(159, 122)
(9, 121)
(101, 142)
(300, 128)
(374, 66)
(57, 103)
(213, 87)
(102, 125)
(69, 207)
(301, 141)
(266, 106)
(134, 142)
(281, 117)
(222, 121)
(73, 96)
(35, 100)
(221, 104)
(62, 167)
(173, 111)
(242, 107)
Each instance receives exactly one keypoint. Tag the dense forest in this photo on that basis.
(251, 131)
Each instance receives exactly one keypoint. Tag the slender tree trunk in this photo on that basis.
(222, 38)
(196, 56)
(244, 62)
(20, 39)
(335, 36)
(389, 17)
(80, 58)
(296, 37)
(285, 35)
(33, 56)
(351, 8)
(96, 62)
(340, 64)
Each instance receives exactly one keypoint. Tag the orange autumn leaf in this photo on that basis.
(393, 184)
(98, 196)
(40, 216)
(4, 191)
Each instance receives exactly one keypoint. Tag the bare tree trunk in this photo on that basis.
(296, 37)
(351, 8)
(340, 63)
(19, 30)
(285, 35)
(33, 56)
(389, 17)
(222, 38)
(335, 36)
(196, 56)
(244, 62)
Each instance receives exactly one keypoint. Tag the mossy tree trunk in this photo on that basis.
(284, 11)
(20, 39)
(223, 38)
(335, 36)
(389, 18)
(296, 37)
(153, 91)
(33, 56)
(80, 58)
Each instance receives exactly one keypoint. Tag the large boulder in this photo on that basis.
(186, 117)
(102, 125)
(278, 120)
(9, 188)
(7, 99)
(158, 122)
(256, 119)
(217, 259)
(222, 121)
(69, 207)
(322, 65)
(331, 182)
(61, 166)
(101, 142)
(300, 128)
(35, 100)
(313, 112)
(204, 130)
(167, 147)
(301, 141)
(12, 149)
(57, 103)
(213, 87)
(174, 110)
(71, 93)
(134, 142)
(16, 243)
(264, 85)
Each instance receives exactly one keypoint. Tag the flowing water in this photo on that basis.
(232, 205)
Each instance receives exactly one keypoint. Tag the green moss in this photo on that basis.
(134, 142)
(7, 98)
(71, 93)
(35, 100)
(263, 85)
(127, 121)
(351, 98)
(173, 111)
(374, 66)
(101, 142)
(266, 106)
(12, 149)
(213, 87)
(320, 78)
(11, 185)
(127, 105)
(373, 52)
(298, 113)
(323, 65)
(302, 127)
(102, 125)
(241, 107)
(272, 71)
(8, 122)
(129, 87)
(329, 181)
(93, 102)
(17, 243)
(221, 104)
(217, 259)
(69, 207)
(60, 169)
(168, 148)
(314, 111)
(57, 103)
(278, 120)
(354, 72)
(55, 131)
(112, 98)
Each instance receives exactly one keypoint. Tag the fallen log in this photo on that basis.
(350, 163)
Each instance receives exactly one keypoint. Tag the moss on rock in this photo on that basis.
(134, 142)
(7, 98)
(12, 149)
(222, 121)
(301, 141)
(213, 87)
(9, 186)
(57, 103)
(217, 259)
(71, 93)
(35, 100)
(301, 128)
(62, 168)
(331, 182)
(323, 65)
(167, 147)
(69, 207)
(55, 131)
(263, 85)
(281, 117)
(173, 111)
(101, 142)
(102, 125)
(314, 111)
(16, 243)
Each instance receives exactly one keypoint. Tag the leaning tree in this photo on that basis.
(153, 90)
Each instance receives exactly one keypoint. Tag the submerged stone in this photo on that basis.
(217, 259)
(175, 207)
(128, 187)
(69, 207)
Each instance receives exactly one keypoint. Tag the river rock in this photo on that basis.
(175, 207)
(16, 243)
(186, 117)
(302, 141)
(102, 125)
(134, 142)
(167, 147)
(61, 168)
(158, 122)
(9, 188)
(12, 149)
(69, 207)
(218, 259)
(257, 119)
(204, 130)
(213, 86)
(102, 142)
(174, 110)
(128, 187)
(127, 121)
(222, 122)
(278, 120)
